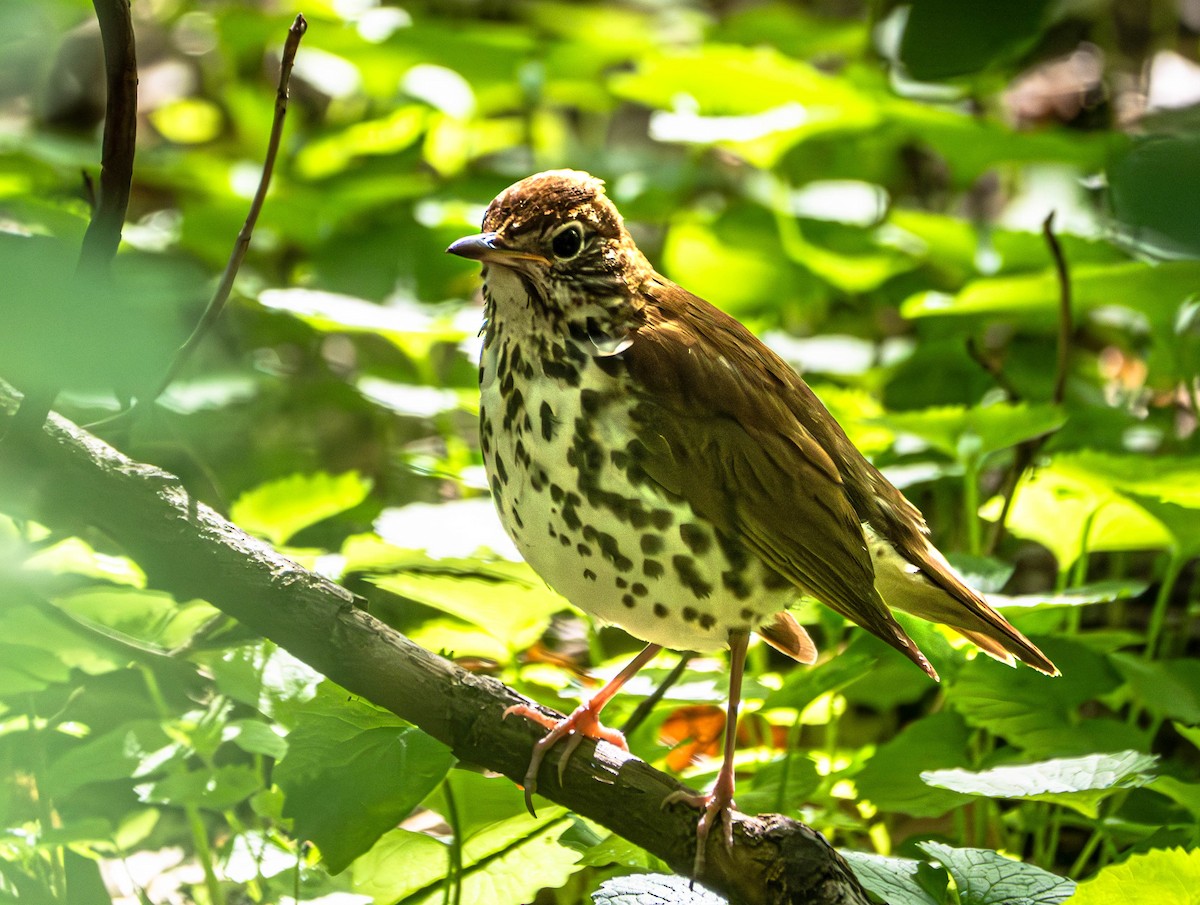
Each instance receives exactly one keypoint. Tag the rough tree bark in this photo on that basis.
(66, 478)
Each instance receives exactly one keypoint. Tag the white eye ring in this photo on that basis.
(567, 241)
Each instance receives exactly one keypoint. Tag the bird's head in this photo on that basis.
(559, 232)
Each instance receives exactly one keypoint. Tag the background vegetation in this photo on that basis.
(864, 183)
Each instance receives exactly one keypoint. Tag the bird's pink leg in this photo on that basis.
(718, 804)
(583, 723)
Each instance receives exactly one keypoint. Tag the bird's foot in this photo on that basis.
(715, 806)
(582, 723)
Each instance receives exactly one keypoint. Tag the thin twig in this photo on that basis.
(1027, 451)
(1065, 326)
(242, 243)
(643, 709)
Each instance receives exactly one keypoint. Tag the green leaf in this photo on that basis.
(215, 789)
(1071, 510)
(899, 881)
(967, 434)
(1030, 710)
(654, 889)
(1154, 291)
(505, 863)
(1169, 689)
(985, 877)
(506, 599)
(944, 38)
(262, 675)
(803, 686)
(1160, 877)
(255, 737)
(892, 778)
(1078, 782)
(136, 749)
(337, 752)
(1150, 202)
(280, 509)
(147, 620)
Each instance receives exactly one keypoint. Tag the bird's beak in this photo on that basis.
(487, 249)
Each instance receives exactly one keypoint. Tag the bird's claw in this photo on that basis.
(582, 723)
(715, 805)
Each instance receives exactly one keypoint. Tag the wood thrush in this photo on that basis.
(664, 470)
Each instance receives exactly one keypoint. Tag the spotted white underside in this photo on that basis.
(666, 594)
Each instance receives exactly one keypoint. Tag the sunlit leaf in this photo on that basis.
(506, 599)
(505, 863)
(969, 433)
(1161, 877)
(654, 889)
(150, 620)
(1077, 782)
(280, 509)
(1068, 508)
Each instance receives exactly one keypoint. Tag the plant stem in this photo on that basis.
(1158, 615)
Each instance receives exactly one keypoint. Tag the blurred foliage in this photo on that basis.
(862, 182)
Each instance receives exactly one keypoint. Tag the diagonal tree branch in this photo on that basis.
(66, 478)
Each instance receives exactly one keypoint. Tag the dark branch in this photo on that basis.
(66, 478)
(103, 234)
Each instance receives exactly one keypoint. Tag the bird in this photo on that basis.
(662, 469)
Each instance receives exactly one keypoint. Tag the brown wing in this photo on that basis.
(761, 385)
(715, 417)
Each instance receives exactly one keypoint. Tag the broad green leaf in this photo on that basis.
(264, 676)
(892, 778)
(985, 877)
(803, 686)
(967, 434)
(899, 881)
(144, 619)
(791, 101)
(1034, 712)
(255, 737)
(1068, 508)
(1184, 794)
(75, 556)
(503, 864)
(280, 509)
(40, 636)
(1153, 207)
(338, 751)
(216, 789)
(1167, 688)
(654, 889)
(411, 328)
(1153, 290)
(1160, 877)
(506, 599)
(1083, 595)
(1077, 782)
(783, 785)
(386, 135)
(943, 38)
(613, 850)
(134, 750)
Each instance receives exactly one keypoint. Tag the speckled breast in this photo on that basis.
(562, 458)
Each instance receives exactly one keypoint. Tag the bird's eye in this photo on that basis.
(568, 241)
